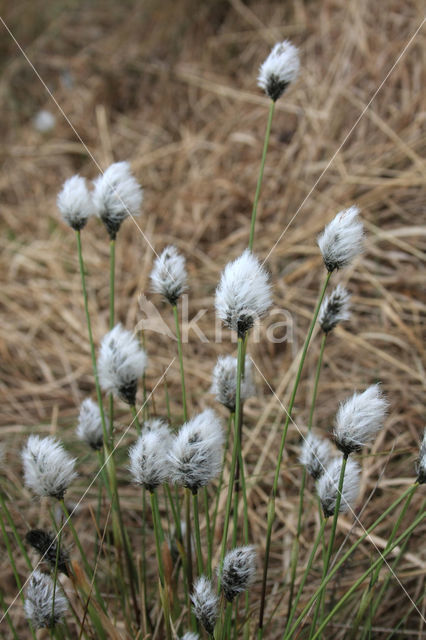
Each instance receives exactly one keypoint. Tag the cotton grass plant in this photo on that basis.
(189, 567)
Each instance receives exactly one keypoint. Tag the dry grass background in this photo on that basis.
(171, 86)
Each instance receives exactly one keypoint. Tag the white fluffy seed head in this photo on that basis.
(243, 294)
(334, 309)
(116, 195)
(280, 68)
(190, 635)
(421, 462)
(48, 468)
(121, 363)
(342, 239)
(205, 603)
(39, 607)
(196, 453)
(149, 461)
(89, 426)
(75, 202)
(168, 275)
(315, 455)
(359, 419)
(239, 569)
(328, 485)
(224, 381)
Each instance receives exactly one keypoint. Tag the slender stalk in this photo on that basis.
(134, 413)
(111, 319)
(343, 559)
(188, 539)
(271, 505)
(55, 571)
(260, 178)
(365, 575)
(296, 541)
(235, 453)
(200, 563)
(306, 573)
(159, 539)
(180, 354)
(332, 537)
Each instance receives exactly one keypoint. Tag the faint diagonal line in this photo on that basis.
(350, 508)
(330, 162)
(77, 134)
(87, 489)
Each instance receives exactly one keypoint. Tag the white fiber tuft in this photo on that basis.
(342, 239)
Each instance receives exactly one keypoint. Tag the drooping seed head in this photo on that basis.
(168, 276)
(421, 462)
(149, 461)
(205, 603)
(334, 309)
(196, 453)
(239, 568)
(121, 363)
(243, 294)
(40, 609)
(342, 239)
(75, 202)
(328, 485)
(89, 427)
(279, 69)
(46, 544)
(359, 419)
(224, 383)
(315, 455)
(48, 468)
(116, 195)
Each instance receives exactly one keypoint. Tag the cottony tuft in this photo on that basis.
(280, 68)
(342, 239)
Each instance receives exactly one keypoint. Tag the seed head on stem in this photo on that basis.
(334, 309)
(149, 463)
(315, 455)
(279, 69)
(75, 203)
(243, 294)
(41, 594)
(238, 572)
(168, 276)
(121, 363)
(116, 195)
(359, 419)
(89, 426)
(224, 382)
(342, 239)
(205, 603)
(48, 468)
(328, 485)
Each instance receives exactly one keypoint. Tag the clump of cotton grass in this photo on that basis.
(48, 468)
(238, 572)
(116, 195)
(205, 603)
(342, 239)
(421, 462)
(224, 381)
(334, 309)
(168, 276)
(279, 69)
(359, 419)
(196, 452)
(243, 294)
(45, 602)
(46, 544)
(121, 363)
(328, 485)
(75, 203)
(149, 462)
(89, 426)
(315, 455)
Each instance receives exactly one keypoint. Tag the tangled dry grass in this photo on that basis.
(171, 87)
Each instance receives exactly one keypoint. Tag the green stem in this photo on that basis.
(365, 575)
(180, 354)
(235, 454)
(200, 563)
(219, 488)
(134, 413)
(343, 559)
(306, 573)
(111, 319)
(271, 506)
(188, 539)
(158, 533)
(317, 376)
(260, 178)
(332, 537)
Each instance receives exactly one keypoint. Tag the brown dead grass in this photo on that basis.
(171, 87)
